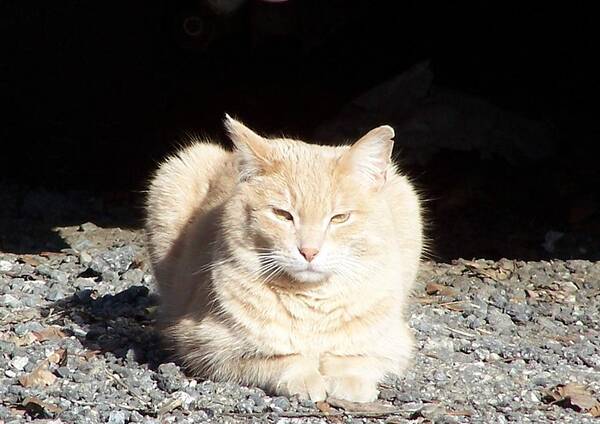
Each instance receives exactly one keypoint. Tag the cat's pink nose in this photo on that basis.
(309, 253)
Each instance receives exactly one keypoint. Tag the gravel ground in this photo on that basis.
(496, 342)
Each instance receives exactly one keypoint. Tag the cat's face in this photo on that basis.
(312, 211)
(309, 231)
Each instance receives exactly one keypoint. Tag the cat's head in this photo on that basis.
(310, 211)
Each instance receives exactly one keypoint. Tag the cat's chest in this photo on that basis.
(310, 324)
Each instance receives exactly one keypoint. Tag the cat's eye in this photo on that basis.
(283, 214)
(339, 218)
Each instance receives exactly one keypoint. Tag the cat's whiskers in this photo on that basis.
(274, 274)
(212, 265)
(352, 269)
(269, 254)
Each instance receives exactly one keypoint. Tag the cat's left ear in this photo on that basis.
(252, 149)
(370, 157)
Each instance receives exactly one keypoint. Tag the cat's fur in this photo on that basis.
(241, 303)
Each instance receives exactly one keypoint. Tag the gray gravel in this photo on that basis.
(493, 339)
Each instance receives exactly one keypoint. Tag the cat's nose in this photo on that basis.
(309, 253)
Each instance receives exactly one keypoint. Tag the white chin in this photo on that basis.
(309, 276)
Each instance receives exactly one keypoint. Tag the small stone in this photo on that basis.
(186, 399)
(19, 362)
(59, 276)
(116, 417)
(245, 406)
(259, 402)
(280, 403)
(7, 347)
(388, 394)
(64, 372)
(499, 320)
(5, 266)
(55, 293)
(10, 373)
(169, 377)
(10, 301)
(110, 276)
(85, 258)
(431, 411)
(307, 403)
(24, 328)
(494, 357)
(134, 275)
(88, 226)
(32, 301)
(117, 260)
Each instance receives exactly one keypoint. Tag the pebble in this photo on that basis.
(19, 362)
(85, 258)
(116, 417)
(5, 266)
(22, 329)
(280, 403)
(10, 301)
(56, 293)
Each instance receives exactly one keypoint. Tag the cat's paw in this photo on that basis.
(307, 385)
(352, 388)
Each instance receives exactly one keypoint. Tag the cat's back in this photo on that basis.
(187, 184)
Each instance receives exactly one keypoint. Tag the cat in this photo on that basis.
(286, 265)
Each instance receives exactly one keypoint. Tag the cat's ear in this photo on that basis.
(252, 149)
(370, 157)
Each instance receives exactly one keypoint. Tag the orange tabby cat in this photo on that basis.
(286, 265)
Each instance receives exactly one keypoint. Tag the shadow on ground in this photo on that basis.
(123, 323)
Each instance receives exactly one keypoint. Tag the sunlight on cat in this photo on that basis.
(286, 265)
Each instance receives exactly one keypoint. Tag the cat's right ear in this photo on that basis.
(370, 157)
(252, 149)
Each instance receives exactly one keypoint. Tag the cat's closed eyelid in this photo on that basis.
(340, 218)
(282, 214)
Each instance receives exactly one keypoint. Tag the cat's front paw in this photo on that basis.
(307, 385)
(352, 388)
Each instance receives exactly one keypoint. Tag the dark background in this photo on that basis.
(95, 93)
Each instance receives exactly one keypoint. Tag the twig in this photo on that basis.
(454, 302)
(462, 333)
(316, 414)
(118, 380)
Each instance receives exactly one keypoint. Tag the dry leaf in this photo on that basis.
(324, 407)
(24, 315)
(30, 260)
(532, 294)
(487, 272)
(425, 300)
(369, 407)
(38, 408)
(453, 306)
(170, 406)
(473, 265)
(434, 288)
(49, 333)
(567, 340)
(595, 411)
(15, 411)
(502, 274)
(39, 377)
(47, 254)
(572, 395)
(59, 357)
(90, 354)
(25, 340)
